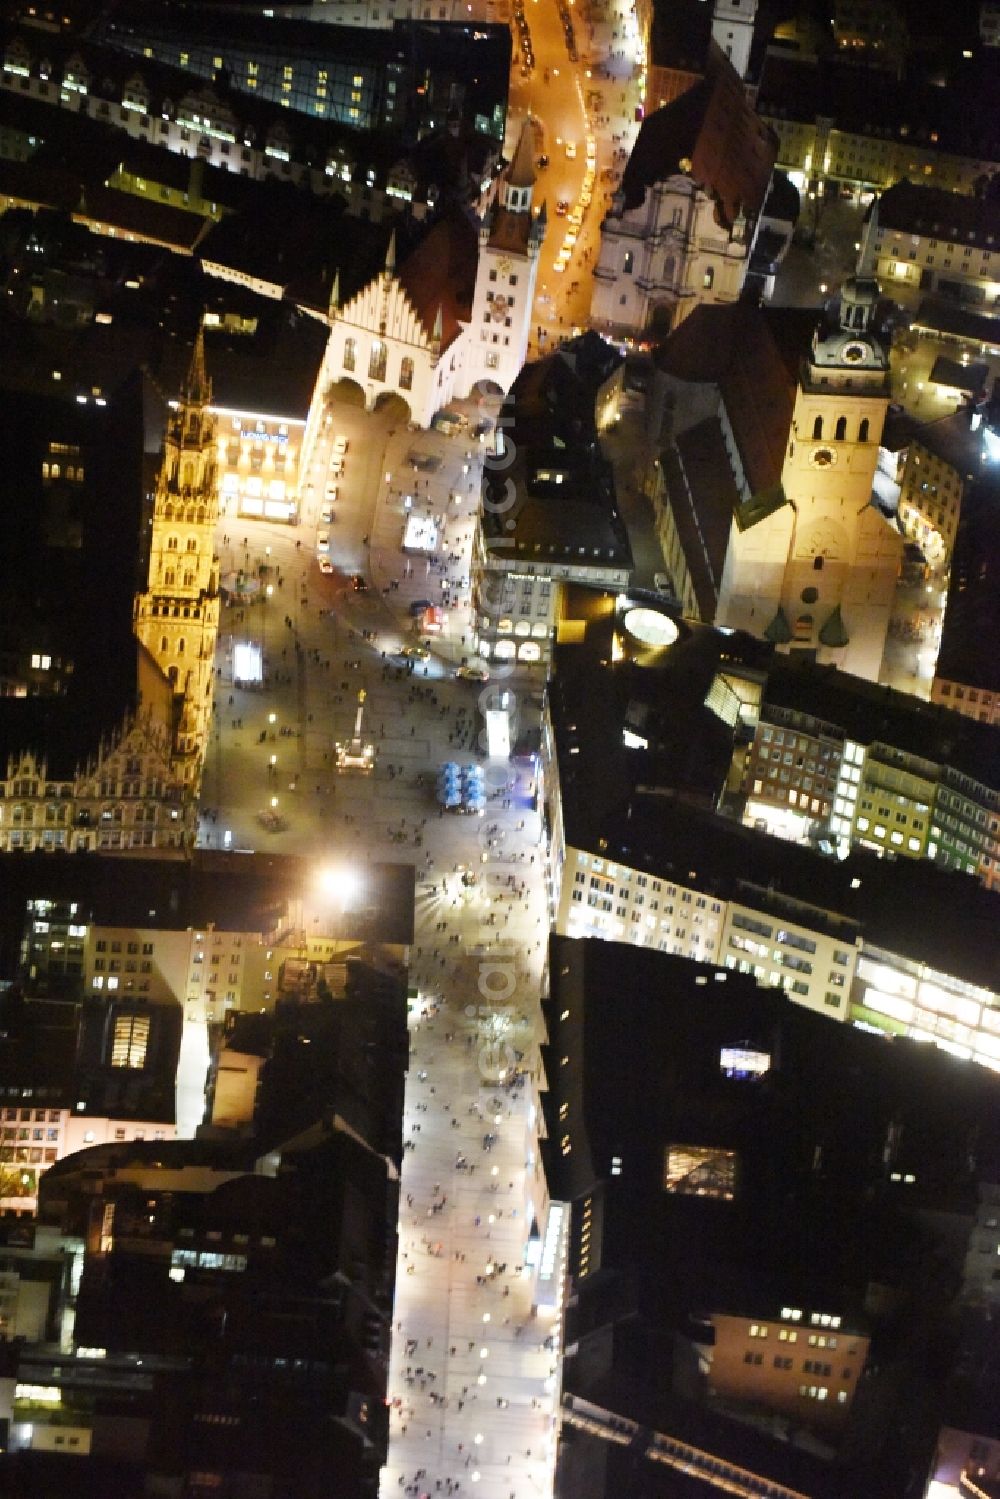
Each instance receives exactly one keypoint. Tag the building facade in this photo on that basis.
(923, 238)
(682, 226)
(454, 312)
(831, 132)
(667, 875)
(177, 616)
(157, 105)
(801, 1363)
(811, 780)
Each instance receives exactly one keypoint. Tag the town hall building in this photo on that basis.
(453, 312)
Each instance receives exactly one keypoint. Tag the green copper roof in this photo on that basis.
(778, 632)
(833, 632)
(760, 505)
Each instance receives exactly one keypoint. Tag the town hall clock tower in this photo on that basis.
(177, 616)
(510, 238)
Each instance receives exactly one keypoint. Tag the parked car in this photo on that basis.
(418, 606)
(571, 150)
(326, 514)
(415, 652)
(340, 445)
(472, 674)
(359, 584)
(325, 566)
(331, 494)
(323, 541)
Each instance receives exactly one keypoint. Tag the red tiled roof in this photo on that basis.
(713, 127)
(441, 273)
(510, 231)
(735, 347)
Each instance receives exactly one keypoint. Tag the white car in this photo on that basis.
(336, 468)
(340, 445)
(322, 541)
(325, 566)
(472, 674)
(571, 150)
(561, 262)
(326, 515)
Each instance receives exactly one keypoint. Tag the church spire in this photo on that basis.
(390, 255)
(335, 293)
(197, 389)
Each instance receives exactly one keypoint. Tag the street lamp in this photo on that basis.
(339, 883)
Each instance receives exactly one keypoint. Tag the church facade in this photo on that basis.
(683, 224)
(765, 496)
(824, 564)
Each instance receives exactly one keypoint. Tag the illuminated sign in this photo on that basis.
(39, 1394)
(738, 1061)
(248, 662)
(700, 1171)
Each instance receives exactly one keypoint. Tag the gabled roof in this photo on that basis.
(715, 133)
(752, 356)
(440, 275)
(910, 208)
(521, 172)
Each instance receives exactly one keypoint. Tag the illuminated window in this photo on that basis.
(377, 360)
(350, 353)
(131, 1037)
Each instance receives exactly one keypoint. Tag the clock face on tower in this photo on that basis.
(504, 266)
(822, 457)
(855, 353)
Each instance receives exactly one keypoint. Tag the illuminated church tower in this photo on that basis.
(177, 617)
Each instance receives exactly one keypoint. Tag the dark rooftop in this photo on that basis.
(52, 548)
(953, 439)
(754, 357)
(959, 119)
(644, 1036)
(655, 811)
(969, 378)
(935, 316)
(703, 504)
(969, 652)
(712, 133)
(552, 430)
(911, 208)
